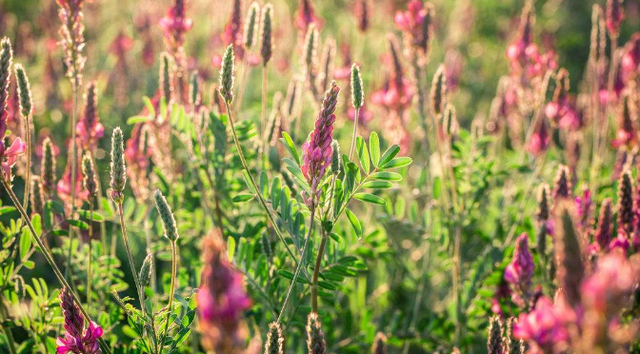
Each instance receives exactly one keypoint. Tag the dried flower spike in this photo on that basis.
(494, 342)
(195, 98)
(275, 340)
(266, 33)
(543, 202)
(251, 25)
(379, 344)
(569, 253)
(315, 336)
(6, 58)
(625, 202)
(562, 184)
(145, 270)
(89, 175)
(168, 221)
(357, 92)
(118, 167)
(48, 169)
(227, 75)
(603, 235)
(615, 16)
(438, 91)
(24, 91)
(37, 196)
(166, 79)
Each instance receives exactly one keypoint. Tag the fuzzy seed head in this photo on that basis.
(251, 25)
(543, 202)
(439, 91)
(494, 342)
(37, 196)
(24, 91)
(227, 75)
(310, 48)
(145, 270)
(605, 220)
(118, 167)
(569, 253)
(357, 92)
(562, 184)
(625, 202)
(266, 33)
(315, 336)
(336, 160)
(166, 79)
(195, 97)
(48, 169)
(275, 340)
(166, 216)
(6, 58)
(89, 175)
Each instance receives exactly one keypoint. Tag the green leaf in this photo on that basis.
(289, 275)
(355, 223)
(288, 143)
(369, 198)
(7, 209)
(326, 285)
(389, 155)
(149, 105)
(437, 187)
(138, 119)
(231, 247)
(363, 154)
(78, 223)
(87, 214)
(25, 242)
(241, 198)
(387, 176)
(398, 162)
(374, 148)
(378, 185)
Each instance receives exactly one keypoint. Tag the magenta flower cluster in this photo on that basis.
(77, 339)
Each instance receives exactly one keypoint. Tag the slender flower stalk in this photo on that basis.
(226, 92)
(171, 233)
(266, 51)
(89, 183)
(357, 99)
(26, 109)
(118, 183)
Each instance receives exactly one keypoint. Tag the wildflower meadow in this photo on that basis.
(319, 176)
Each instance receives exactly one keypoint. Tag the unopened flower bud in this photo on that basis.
(166, 216)
(251, 24)
(357, 92)
(145, 270)
(118, 167)
(226, 75)
(24, 91)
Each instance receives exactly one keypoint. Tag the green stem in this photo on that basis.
(253, 183)
(172, 289)
(90, 254)
(48, 257)
(297, 273)
(130, 257)
(74, 162)
(7, 331)
(355, 133)
(27, 184)
(316, 272)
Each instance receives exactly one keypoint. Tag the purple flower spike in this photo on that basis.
(520, 271)
(317, 151)
(77, 340)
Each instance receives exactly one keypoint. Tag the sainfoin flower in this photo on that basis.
(520, 271)
(412, 23)
(64, 186)
(221, 300)
(317, 151)
(89, 129)
(77, 339)
(540, 139)
(175, 24)
(543, 328)
(630, 61)
(306, 16)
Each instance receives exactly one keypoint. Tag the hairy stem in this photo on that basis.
(27, 184)
(316, 272)
(130, 257)
(74, 162)
(297, 272)
(7, 331)
(355, 133)
(90, 254)
(253, 183)
(172, 289)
